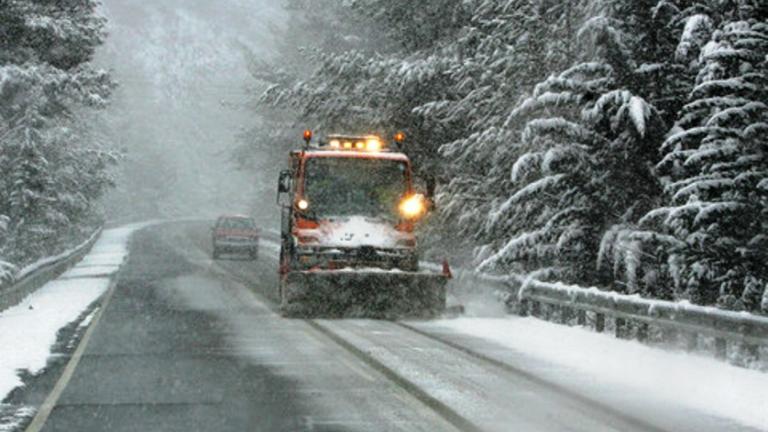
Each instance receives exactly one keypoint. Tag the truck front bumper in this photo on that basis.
(362, 257)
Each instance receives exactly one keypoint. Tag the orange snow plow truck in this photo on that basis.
(348, 247)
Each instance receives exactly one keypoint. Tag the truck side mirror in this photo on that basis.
(283, 184)
(426, 186)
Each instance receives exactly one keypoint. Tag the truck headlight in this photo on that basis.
(413, 207)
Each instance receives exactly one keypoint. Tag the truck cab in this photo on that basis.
(348, 247)
(349, 202)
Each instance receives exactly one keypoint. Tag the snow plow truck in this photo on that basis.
(348, 248)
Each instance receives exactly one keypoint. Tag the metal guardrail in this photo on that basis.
(709, 321)
(28, 283)
(630, 315)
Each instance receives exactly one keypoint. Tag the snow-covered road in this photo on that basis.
(29, 330)
(626, 375)
(188, 343)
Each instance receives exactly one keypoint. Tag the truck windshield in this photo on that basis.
(354, 186)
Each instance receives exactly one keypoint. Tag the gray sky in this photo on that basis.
(182, 79)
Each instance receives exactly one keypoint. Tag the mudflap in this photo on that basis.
(363, 294)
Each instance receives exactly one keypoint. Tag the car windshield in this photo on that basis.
(354, 186)
(237, 223)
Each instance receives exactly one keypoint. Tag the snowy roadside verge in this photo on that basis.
(18, 284)
(27, 270)
(10, 274)
(602, 366)
(29, 329)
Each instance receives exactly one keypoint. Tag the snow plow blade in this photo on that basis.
(363, 294)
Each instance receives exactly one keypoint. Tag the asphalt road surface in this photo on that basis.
(186, 343)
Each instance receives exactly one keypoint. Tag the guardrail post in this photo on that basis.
(566, 314)
(691, 341)
(599, 322)
(751, 353)
(523, 308)
(536, 309)
(642, 332)
(721, 348)
(546, 312)
(621, 328)
(669, 335)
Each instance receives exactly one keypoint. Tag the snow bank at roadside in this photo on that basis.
(31, 268)
(29, 330)
(696, 382)
(9, 273)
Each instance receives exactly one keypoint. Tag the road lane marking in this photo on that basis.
(50, 402)
(442, 410)
(254, 299)
(557, 388)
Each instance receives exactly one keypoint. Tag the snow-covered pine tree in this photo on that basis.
(373, 83)
(586, 169)
(280, 85)
(716, 163)
(53, 168)
(502, 50)
(31, 203)
(582, 162)
(629, 254)
(662, 75)
(61, 33)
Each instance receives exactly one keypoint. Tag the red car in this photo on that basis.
(237, 235)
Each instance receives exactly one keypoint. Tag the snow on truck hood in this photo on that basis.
(357, 231)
